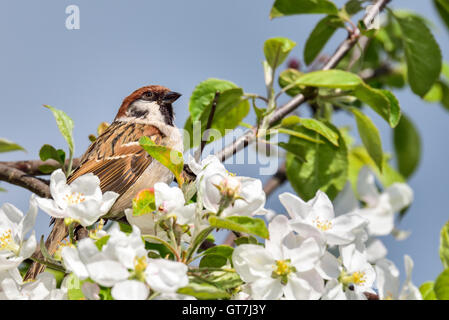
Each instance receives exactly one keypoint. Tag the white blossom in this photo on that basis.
(169, 202)
(285, 267)
(43, 288)
(109, 265)
(166, 276)
(223, 191)
(316, 218)
(14, 227)
(381, 207)
(81, 201)
(388, 281)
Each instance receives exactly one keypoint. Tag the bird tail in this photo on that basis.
(57, 234)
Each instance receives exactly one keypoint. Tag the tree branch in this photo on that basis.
(21, 179)
(250, 135)
(31, 167)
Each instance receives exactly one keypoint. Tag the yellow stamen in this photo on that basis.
(7, 242)
(140, 264)
(74, 198)
(323, 225)
(358, 277)
(282, 270)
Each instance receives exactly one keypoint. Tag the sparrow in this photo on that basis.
(119, 161)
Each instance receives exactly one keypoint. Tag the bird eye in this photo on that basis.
(147, 95)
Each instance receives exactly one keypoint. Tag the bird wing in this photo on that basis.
(116, 156)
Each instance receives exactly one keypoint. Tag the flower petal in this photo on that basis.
(266, 289)
(295, 206)
(130, 290)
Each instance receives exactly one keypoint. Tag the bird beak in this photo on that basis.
(171, 97)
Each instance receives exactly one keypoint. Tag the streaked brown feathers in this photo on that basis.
(116, 156)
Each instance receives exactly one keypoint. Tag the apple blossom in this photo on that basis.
(388, 281)
(166, 276)
(355, 274)
(43, 288)
(381, 207)
(82, 200)
(316, 218)
(226, 194)
(108, 265)
(169, 202)
(13, 228)
(285, 267)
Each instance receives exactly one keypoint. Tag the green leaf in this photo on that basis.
(49, 152)
(301, 135)
(224, 279)
(254, 226)
(330, 79)
(427, 291)
(289, 77)
(204, 93)
(170, 158)
(441, 286)
(144, 202)
(161, 250)
(47, 169)
(370, 137)
(320, 35)
(290, 7)
(203, 290)
(74, 284)
(422, 53)
(295, 149)
(231, 109)
(435, 94)
(276, 50)
(290, 121)
(216, 257)
(407, 145)
(65, 125)
(382, 102)
(245, 240)
(444, 245)
(321, 128)
(359, 157)
(102, 241)
(7, 146)
(326, 166)
(394, 115)
(213, 261)
(353, 6)
(443, 10)
(125, 227)
(221, 250)
(444, 4)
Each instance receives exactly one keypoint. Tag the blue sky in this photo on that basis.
(123, 45)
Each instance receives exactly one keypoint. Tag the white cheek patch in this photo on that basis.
(149, 110)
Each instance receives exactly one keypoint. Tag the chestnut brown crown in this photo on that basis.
(163, 96)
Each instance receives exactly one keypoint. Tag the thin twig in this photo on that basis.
(250, 135)
(204, 139)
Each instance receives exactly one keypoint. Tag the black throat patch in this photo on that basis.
(166, 110)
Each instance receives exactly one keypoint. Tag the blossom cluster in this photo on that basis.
(317, 250)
